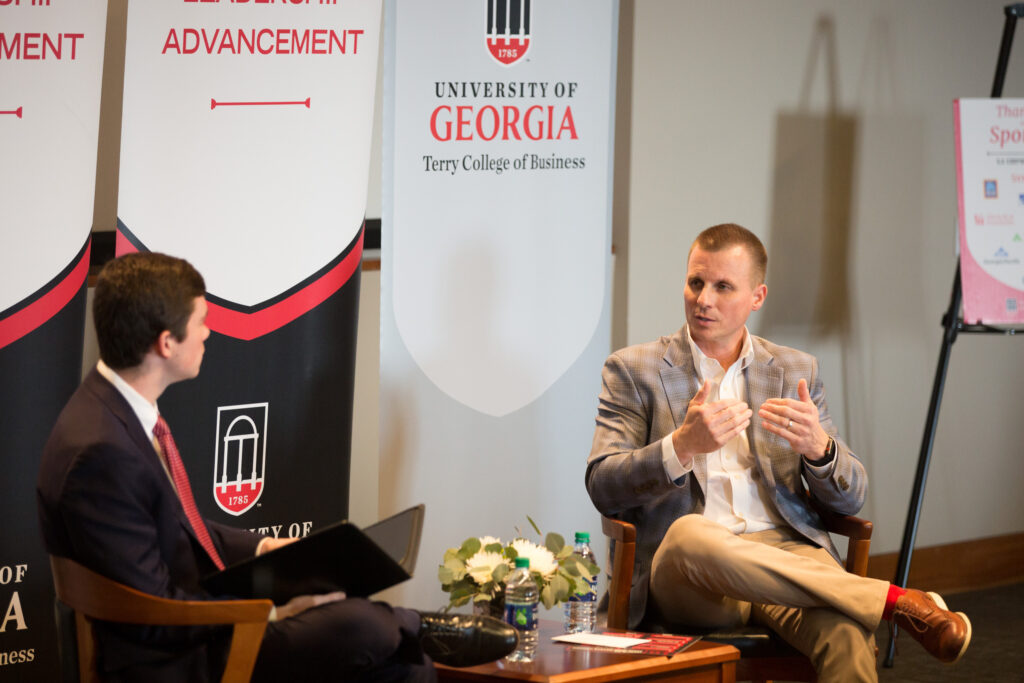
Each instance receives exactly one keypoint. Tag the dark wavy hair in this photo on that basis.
(137, 297)
(725, 235)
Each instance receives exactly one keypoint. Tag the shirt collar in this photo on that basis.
(699, 358)
(144, 410)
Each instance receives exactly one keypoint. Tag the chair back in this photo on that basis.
(93, 596)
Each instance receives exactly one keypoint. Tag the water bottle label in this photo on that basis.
(522, 617)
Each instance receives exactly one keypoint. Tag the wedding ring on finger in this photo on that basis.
(789, 424)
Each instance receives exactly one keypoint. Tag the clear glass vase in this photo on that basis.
(495, 607)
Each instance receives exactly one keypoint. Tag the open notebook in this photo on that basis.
(341, 556)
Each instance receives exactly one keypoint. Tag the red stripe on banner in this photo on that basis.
(248, 326)
(17, 325)
(123, 245)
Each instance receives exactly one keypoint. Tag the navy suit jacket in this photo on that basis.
(105, 501)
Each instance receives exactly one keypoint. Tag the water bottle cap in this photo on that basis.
(522, 562)
(582, 537)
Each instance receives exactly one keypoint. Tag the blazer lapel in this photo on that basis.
(679, 379)
(117, 405)
(764, 381)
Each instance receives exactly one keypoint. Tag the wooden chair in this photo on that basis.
(764, 656)
(92, 596)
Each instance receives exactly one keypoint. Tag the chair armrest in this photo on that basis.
(94, 596)
(856, 529)
(620, 577)
(101, 598)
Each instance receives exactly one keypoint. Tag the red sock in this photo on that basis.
(890, 600)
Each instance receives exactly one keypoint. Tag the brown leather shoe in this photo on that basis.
(944, 634)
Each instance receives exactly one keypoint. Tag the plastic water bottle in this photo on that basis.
(521, 596)
(581, 608)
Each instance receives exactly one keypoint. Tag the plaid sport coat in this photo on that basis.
(644, 396)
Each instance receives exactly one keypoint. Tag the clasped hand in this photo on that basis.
(299, 603)
(709, 426)
(797, 422)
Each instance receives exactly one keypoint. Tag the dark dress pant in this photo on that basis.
(349, 640)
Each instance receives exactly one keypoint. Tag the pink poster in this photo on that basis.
(990, 189)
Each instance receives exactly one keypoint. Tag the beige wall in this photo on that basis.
(826, 128)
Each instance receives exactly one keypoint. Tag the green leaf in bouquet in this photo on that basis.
(588, 568)
(445, 574)
(457, 568)
(560, 587)
(547, 596)
(470, 547)
(499, 573)
(534, 525)
(565, 552)
(493, 548)
(571, 566)
(554, 542)
(462, 590)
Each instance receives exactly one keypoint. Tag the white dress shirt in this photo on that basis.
(147, 412)
(735, 495)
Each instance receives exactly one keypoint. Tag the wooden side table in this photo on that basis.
(702, 662)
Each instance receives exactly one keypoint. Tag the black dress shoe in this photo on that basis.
(465, 640)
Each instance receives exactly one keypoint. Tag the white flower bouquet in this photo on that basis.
(476, 571)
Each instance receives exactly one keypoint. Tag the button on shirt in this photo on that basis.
(735, 495)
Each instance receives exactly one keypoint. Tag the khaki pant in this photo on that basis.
(705, 575)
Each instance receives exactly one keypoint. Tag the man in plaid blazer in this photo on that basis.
(717, 493)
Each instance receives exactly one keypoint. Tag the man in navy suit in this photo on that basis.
(113, 496)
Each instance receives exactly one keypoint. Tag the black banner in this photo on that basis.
(40, 368)
(265, 430)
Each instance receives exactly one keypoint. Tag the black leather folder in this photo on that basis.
(341, 556)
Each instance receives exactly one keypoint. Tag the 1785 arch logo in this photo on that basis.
(508, 29)
(241, 456)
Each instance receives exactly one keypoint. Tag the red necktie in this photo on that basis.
(163, 436)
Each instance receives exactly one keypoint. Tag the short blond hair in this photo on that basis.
(725, 235)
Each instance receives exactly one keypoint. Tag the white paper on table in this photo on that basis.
(599, 640)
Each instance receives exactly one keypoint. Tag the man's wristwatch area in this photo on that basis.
(830, 452)
(829, 456)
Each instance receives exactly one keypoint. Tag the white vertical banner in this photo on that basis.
(51, 62)
(245, 148)
(495, 265)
